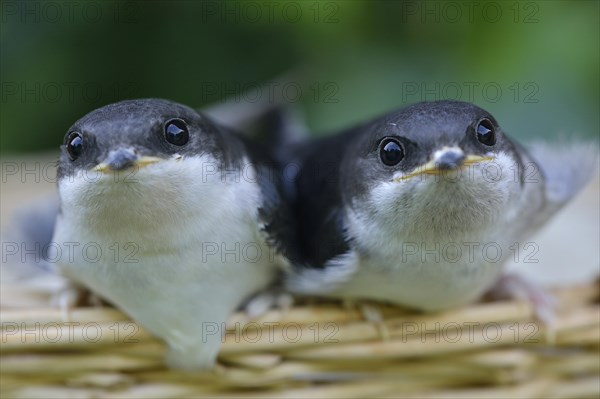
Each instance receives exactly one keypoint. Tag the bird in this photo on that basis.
(421, 206)
(173, 218)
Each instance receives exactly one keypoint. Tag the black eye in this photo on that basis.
(176, 132)
(391, 152)
(486, 133)
(74, 145)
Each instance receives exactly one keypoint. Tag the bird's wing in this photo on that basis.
(262, 106)
(27, 239)
(567, 167)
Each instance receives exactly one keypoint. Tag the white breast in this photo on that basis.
(180, 247)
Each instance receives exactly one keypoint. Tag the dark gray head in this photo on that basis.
(441, 166)
(150, 164)
(135, 133)
(424, 138)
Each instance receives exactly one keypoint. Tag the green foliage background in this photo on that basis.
(362, 58)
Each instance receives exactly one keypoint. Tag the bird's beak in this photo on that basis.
(444, 160)
(124, 159)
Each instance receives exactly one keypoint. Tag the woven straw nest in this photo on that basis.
(324, 350)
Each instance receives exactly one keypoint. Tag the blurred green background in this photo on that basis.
(534, 65)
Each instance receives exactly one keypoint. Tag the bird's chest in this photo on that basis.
(428, 272)
(172, 264)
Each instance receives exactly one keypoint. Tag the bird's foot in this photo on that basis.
(371, 314)
(73, 295)
(262, 302)
(514, 286)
